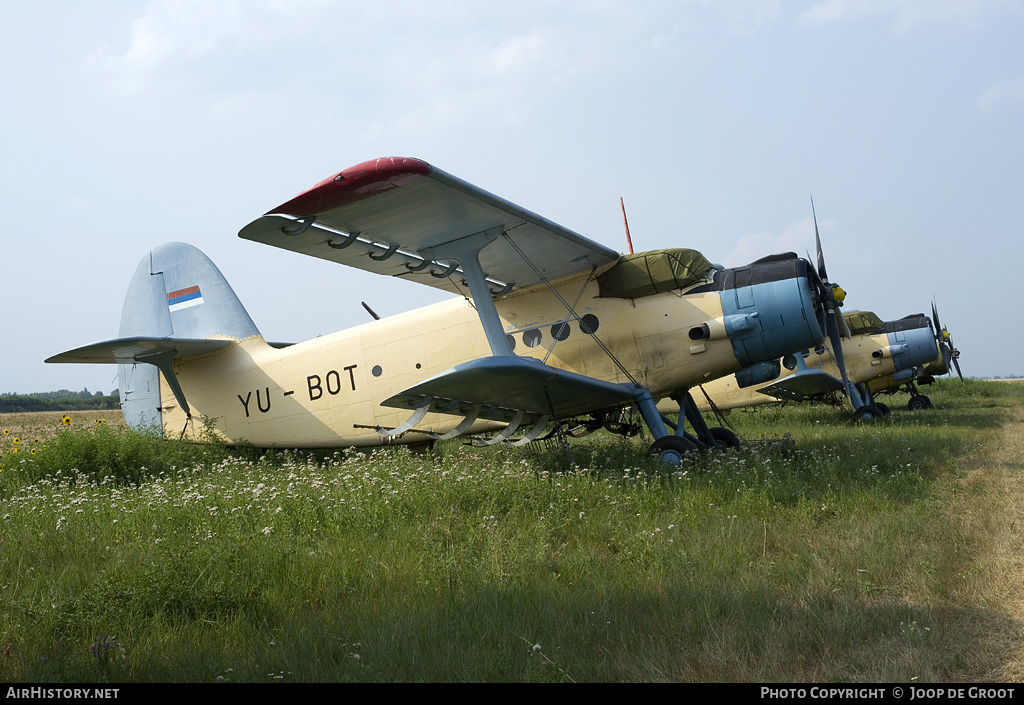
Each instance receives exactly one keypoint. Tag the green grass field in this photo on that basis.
(873, 552)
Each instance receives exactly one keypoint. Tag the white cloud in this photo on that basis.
(798, 237)
(1009, 91)
(906, 15)
(75, 203)
(832, 11)
(170, 34)
(746, 18)
(175, 42)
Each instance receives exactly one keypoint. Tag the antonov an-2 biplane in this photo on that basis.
(946, 359)
(874, 349)
(549, 326)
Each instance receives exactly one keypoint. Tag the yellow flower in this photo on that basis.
(100, 421)
(66, 420)
(7, 431)
(33, 451)
(15, 440)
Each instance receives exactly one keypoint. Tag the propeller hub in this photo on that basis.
(838, 294)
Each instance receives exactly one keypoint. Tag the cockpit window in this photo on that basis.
(646, 273)
(863, 322)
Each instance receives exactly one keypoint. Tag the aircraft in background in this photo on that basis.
(875, 349)
(946, 358)
(548, 327)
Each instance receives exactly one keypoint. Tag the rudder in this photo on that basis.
(176, 292)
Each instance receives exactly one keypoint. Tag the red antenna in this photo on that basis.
(625, 222)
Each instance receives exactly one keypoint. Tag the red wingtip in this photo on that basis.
(354, 184)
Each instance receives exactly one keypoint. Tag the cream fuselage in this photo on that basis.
(866, 357)
(327, 391)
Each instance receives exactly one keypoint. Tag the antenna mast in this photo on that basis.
(625, 222)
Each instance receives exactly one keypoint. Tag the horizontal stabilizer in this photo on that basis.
(138, 349)
(502, 388)
(803, 385)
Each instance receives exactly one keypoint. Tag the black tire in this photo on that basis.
(884, 409)
(867, 413)
(917, 403)
(724, 438)
(671, 449)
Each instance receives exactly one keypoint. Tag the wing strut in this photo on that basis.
(466, 251)
(570, 308)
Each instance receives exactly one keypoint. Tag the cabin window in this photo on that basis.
(560, 331)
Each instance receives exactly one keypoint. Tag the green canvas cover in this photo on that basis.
(863, 322)
(645, 273)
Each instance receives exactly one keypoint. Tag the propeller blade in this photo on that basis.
(835, 324)
(844, 327)
(817, 241)
(836, 341)
(949, 351)
(820, 308)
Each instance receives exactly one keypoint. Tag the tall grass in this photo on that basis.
(833, 558)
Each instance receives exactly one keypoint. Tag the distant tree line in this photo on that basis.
(61, 400)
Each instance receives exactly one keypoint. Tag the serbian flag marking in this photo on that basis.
(184, 298)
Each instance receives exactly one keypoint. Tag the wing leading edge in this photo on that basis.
(386, 215)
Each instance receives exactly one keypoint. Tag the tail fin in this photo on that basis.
(176, 292)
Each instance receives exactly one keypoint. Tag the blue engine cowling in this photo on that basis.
(769, 308)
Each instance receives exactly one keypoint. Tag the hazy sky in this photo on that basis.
(129, 124)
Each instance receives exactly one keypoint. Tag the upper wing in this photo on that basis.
(379, 215)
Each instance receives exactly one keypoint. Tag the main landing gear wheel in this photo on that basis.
(919, 402)
(868, 413)
(671, 449)
(883, 408)
(724, 438)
